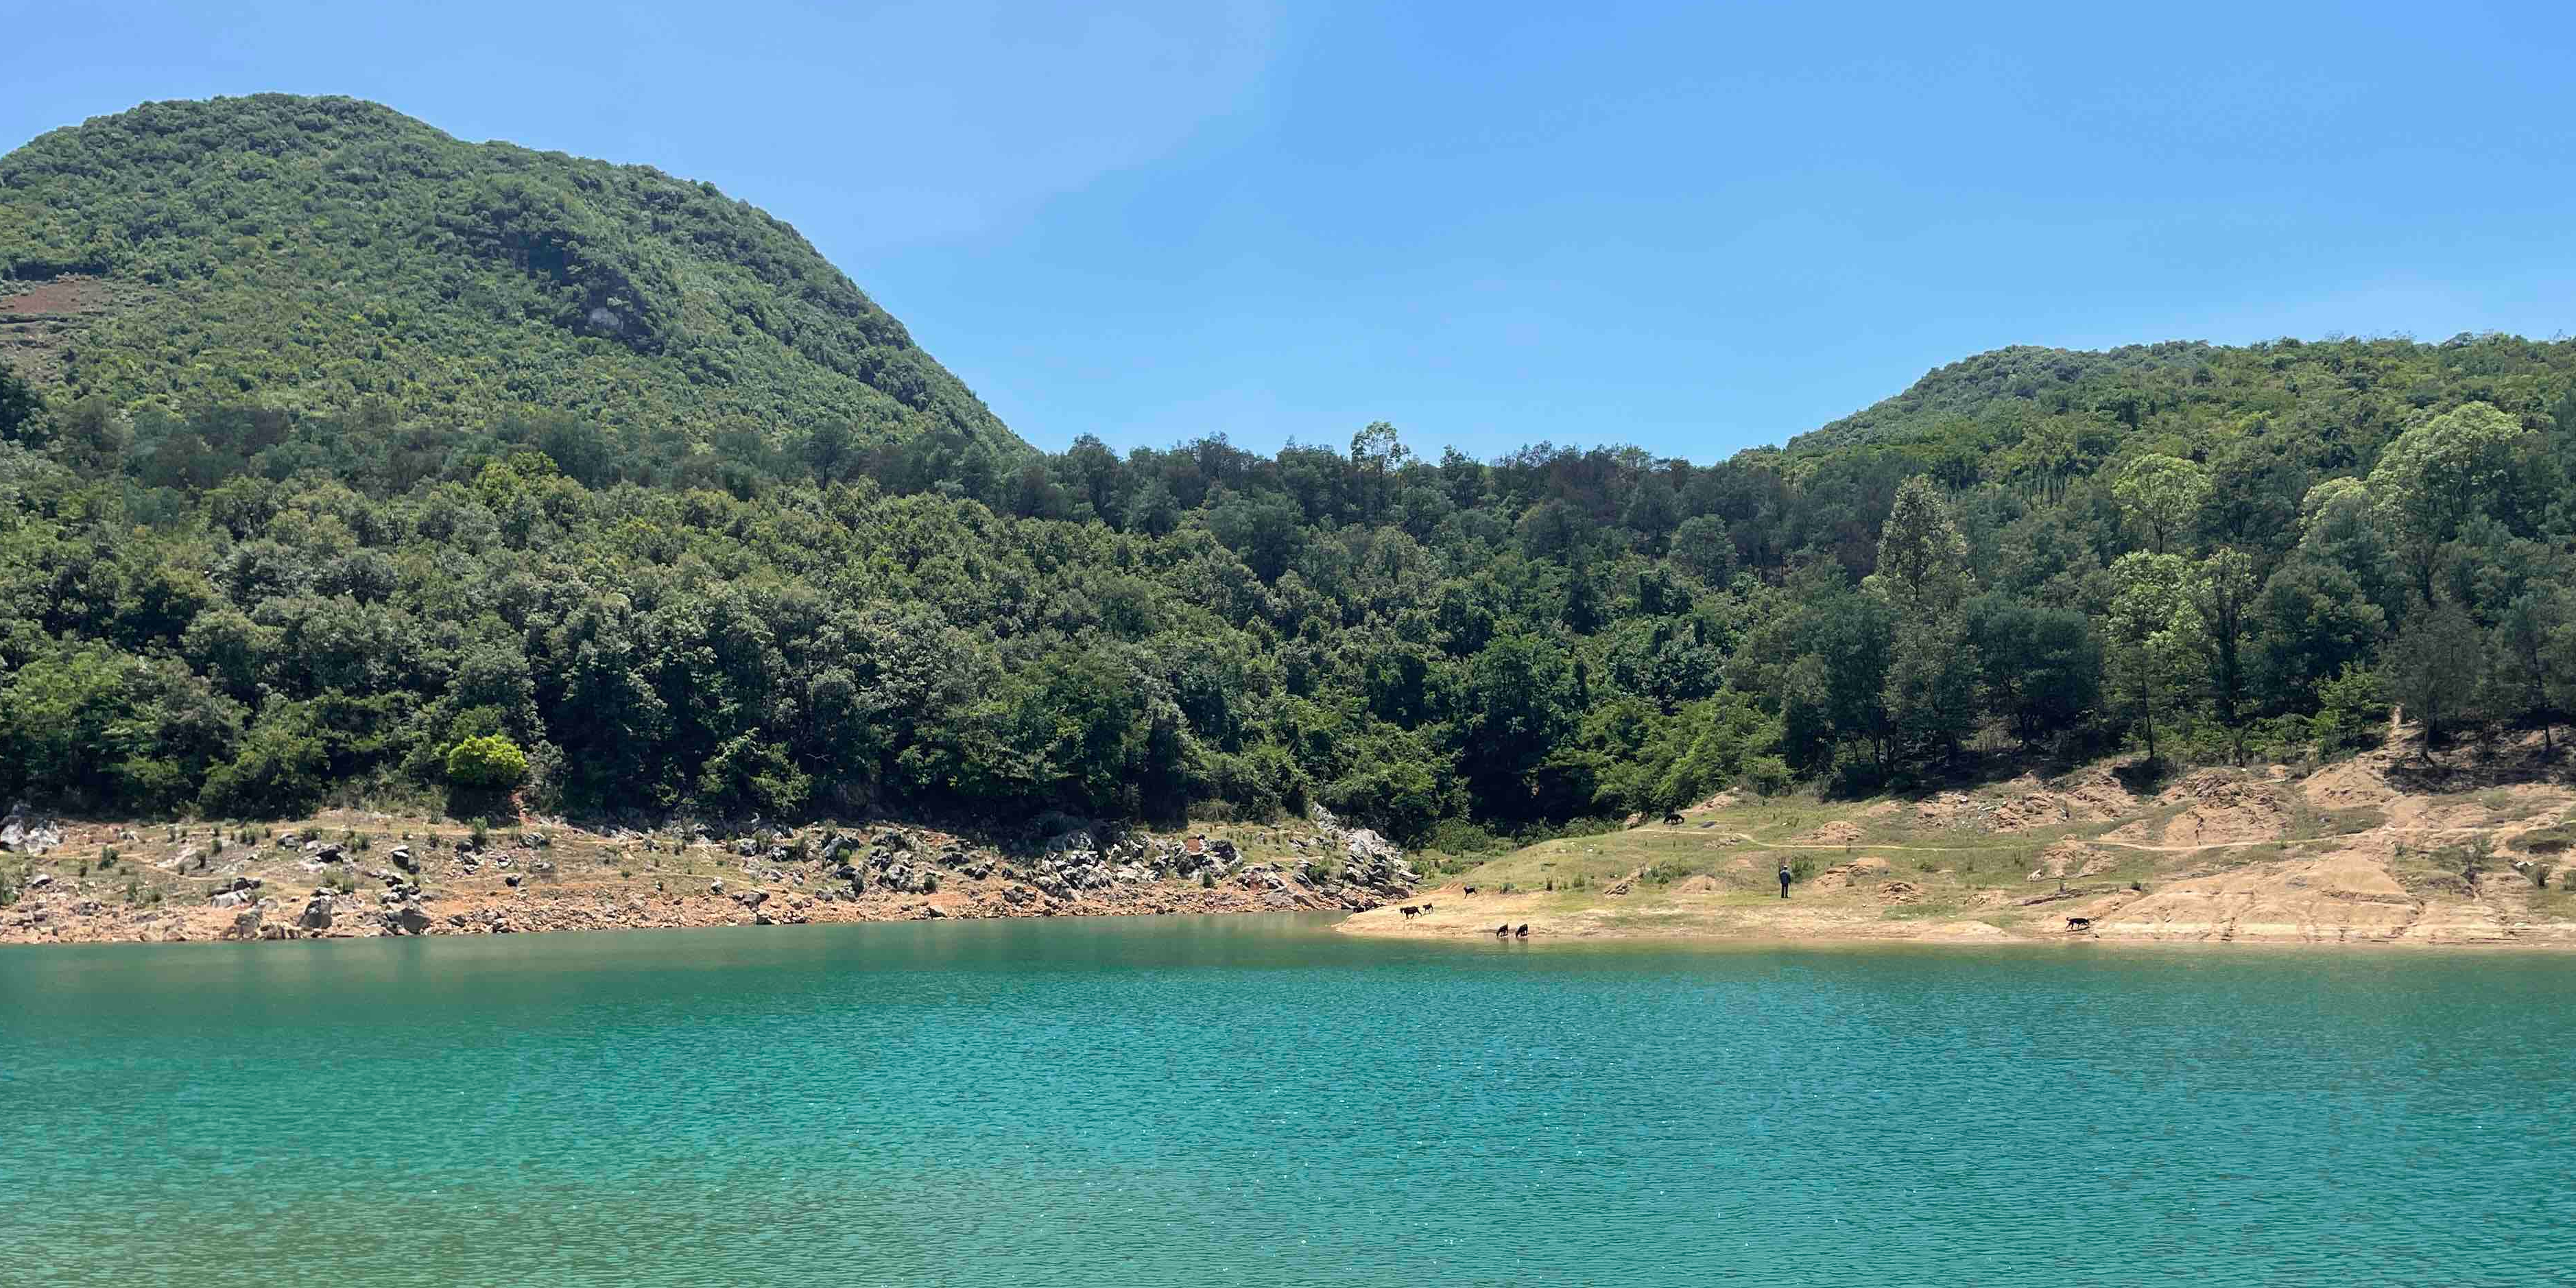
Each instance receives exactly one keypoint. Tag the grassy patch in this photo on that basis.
(2308, 822)
(1925, 910)
(2556, 838)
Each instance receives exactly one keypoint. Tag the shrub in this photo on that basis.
(490, 761)
(1459, 836)
(2352, 710)
(1766, 775)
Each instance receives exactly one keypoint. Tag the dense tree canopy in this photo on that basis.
(224, 602)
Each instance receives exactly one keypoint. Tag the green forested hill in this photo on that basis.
(261, 547)
(1992, 383)
(315, 253)
(2029, 384)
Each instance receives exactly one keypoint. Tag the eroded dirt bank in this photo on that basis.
(2385, 849)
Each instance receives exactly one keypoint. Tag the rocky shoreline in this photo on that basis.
(336, 879)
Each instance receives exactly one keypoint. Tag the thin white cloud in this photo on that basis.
(940, 119)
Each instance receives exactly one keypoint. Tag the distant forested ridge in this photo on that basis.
(232, 599)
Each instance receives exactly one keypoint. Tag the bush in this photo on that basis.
(490, 761)
(282, 770)
(1459, 836)
(1766, 775)
(2352, 710)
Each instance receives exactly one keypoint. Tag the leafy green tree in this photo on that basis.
(2154, 634)
(2042, 667)
(2340, 528)
(1711, 745)
(1833, 692)
(1923, 578)
(1265, 532)
(2352, 709)
(2048, 457)
(19, 407)
(2438, 475)
(2434, 668)
(2311, 621)
(2535, 665)
(95, 728)
(1518, 700)
(1703, 548)
(2223, 595)
(490, 761)
(1652, 512)
(1377, 455)
(2161, 494)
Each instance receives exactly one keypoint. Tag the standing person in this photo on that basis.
(1784, 878)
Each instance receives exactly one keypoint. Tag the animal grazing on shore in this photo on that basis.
(1426, 908)
(1471, 889)
(2074, 924)
(1503, 931)
(1410, 912)
(1523, 932)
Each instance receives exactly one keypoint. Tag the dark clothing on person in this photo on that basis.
(1784, 880)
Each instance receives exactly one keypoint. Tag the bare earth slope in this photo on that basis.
(2383, 849)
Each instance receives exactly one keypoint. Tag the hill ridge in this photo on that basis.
(322, 250)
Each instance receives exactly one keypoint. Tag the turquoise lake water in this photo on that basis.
(1261, 1101)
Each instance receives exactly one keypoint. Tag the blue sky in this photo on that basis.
(1694, 227)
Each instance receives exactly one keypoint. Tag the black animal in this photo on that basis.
(1673, 819)
(1471, 889)
(1503, 931)
(1426, 907)
(2078, 923)
(1410, 912)
(1523, 932)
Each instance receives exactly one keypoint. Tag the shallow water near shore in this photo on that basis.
(1257, 1100)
